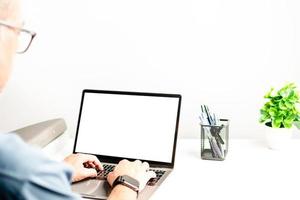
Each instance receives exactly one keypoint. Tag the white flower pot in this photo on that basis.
(278, 138)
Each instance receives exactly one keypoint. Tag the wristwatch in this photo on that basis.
(128, 182)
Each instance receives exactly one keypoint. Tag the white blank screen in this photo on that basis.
(129, 126)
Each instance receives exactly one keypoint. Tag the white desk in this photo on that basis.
(250, 171)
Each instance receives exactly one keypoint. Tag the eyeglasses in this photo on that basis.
(25, 37)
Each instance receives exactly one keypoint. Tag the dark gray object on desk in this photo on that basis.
(214, 141)
(42, 133)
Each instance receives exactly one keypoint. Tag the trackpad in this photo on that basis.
(92, 188)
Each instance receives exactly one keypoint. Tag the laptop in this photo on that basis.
(117, 125)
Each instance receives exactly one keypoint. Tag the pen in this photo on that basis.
(207, 114)
(217, 151)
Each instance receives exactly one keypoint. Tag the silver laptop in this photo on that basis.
(116, 125)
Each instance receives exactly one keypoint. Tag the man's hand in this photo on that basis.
(84, 166)
(137, 170)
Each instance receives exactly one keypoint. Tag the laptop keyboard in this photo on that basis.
(102, 175)
(159, 174)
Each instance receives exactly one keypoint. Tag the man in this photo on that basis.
(25, 173)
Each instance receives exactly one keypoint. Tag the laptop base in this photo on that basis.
(100, 189)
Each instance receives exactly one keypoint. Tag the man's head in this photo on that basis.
(10, 13)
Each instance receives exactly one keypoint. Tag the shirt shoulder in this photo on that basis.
(23, 167)
(20, 160)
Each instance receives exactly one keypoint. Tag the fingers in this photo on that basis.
(146, 178)
(84, 173)
(98, 164)
(124, 161)
(89, 172)
(91, 160)
(138, 162)
(151, 174)
(90, 164)
(145, 166)
(110, 177)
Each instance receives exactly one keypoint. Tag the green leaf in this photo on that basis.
(270, 104)
(291, 117)
(282, 113)
(269, 94)
(264, 117)
(292, 94)
(275, 124)
(282, 105)
(272, 111)
(287, 123)
(263, 111)
(284, 93)
(297, 96)
(288, 105)
(277, 98)
(278, 119)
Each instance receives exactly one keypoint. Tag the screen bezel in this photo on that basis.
(114, 159)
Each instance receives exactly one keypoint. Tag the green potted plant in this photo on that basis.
(279, 114)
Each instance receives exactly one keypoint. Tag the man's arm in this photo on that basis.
(121, 192)
(26, 173)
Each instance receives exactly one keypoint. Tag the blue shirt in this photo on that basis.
(25, 173)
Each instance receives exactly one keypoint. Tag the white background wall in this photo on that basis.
(225, 53)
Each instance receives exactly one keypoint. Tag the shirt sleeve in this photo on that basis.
(26, 173)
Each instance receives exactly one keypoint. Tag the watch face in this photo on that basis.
(131, 180)
(128, 182)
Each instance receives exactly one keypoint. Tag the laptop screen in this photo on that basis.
(128, 125)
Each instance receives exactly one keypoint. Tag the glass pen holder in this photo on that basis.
(214, 140)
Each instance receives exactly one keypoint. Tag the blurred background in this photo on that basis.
(223, 53)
